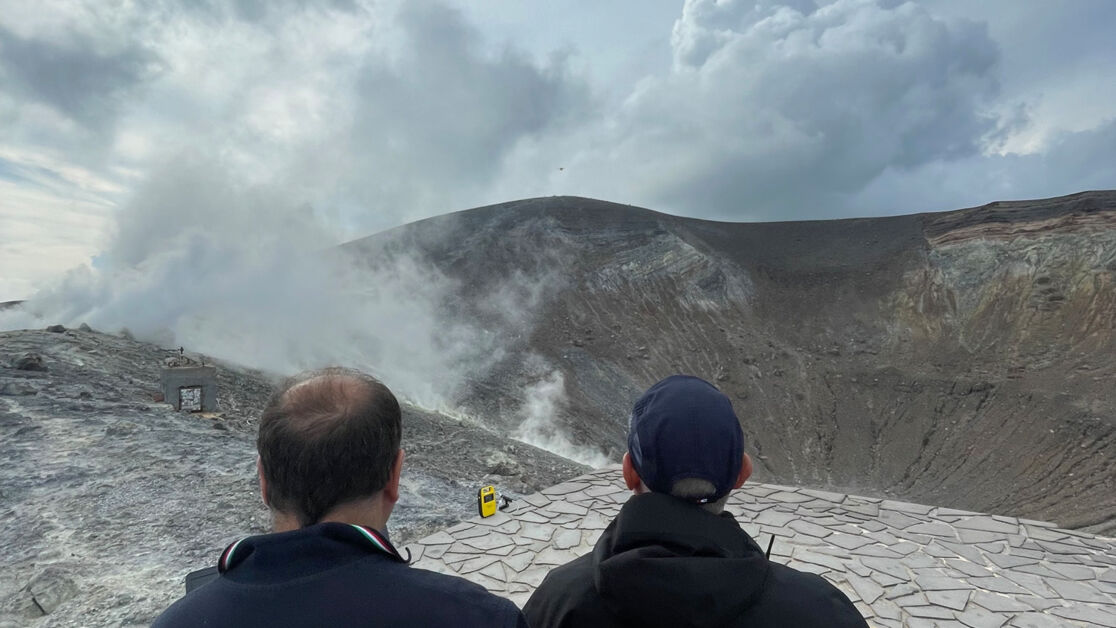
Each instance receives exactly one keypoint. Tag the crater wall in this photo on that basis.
(963, 358)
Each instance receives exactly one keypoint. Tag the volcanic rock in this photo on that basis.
(56, 329)
(49, 589)
(17, 389)
(500, 463)
(30, 362)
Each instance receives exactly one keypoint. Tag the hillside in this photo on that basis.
(963, 359)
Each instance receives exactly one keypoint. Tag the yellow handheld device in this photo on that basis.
(486, 501)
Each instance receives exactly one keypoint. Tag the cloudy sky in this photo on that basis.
(123, 124)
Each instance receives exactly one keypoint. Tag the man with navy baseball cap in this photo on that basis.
(673, 557)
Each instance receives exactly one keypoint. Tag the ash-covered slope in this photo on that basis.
(964, 359)
(108, 498)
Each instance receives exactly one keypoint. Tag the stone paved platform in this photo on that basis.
(902, 564)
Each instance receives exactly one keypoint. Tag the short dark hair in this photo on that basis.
(326, 438)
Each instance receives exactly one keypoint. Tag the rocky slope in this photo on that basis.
(108, 498)
(962, 358)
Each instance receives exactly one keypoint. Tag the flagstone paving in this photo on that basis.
(902, 564)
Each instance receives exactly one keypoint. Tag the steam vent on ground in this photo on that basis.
(928, 400)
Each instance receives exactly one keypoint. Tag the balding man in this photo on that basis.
(329, 466)
(672, 557)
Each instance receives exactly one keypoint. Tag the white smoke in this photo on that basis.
(249, 276)
(542, 402)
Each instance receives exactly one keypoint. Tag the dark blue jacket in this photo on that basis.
(332, 574)
(666, 563)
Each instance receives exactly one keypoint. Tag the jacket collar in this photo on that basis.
(667, 562)
(651, 518)
(364, 537)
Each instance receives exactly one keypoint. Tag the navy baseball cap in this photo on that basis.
(683, 427)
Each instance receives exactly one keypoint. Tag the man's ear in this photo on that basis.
(631, 476)
(745, 471)
(263, 481)
(391, 489)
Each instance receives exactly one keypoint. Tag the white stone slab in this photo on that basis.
(902, 564)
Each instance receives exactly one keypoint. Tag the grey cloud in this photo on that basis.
(258, 11)
(706, 27)
(75, 78)
(254, 11)
(1073, 162)
(435, 123)
(772, 112)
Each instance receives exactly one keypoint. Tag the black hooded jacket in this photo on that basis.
(665, 562)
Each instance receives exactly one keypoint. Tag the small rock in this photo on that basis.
(50, 589)
(85, 395)
(122, 428)
(500, 463)
(217, 425)
(57, 329)
(30, 362)
(17, 389)
(27, 430)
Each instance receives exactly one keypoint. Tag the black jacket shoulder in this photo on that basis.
(567, 599)
(667, 563)
(332, 575)
(367, 592)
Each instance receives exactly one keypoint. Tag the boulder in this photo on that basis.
(500, 463)
(30, 362)
(47, 591)
(122, 428)
(57, 329)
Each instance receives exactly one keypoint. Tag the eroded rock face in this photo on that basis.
(962, 358)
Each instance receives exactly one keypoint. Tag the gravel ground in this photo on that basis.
(108, 497)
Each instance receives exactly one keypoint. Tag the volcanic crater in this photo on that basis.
(963, 358)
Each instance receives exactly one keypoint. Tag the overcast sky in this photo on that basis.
(368, 114)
